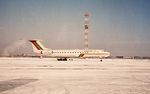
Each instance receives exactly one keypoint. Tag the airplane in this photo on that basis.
(64, 55)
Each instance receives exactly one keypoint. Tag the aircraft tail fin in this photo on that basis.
(38, 47)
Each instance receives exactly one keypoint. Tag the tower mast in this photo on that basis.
(86, 30)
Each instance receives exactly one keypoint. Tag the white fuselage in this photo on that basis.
(91, 53)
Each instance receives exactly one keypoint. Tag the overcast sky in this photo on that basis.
(121, 27)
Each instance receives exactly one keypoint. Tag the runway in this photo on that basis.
(80, 76)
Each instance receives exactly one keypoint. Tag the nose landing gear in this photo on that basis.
(101, 60)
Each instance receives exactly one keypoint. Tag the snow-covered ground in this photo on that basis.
(80, 76)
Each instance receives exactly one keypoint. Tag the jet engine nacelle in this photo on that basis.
(46, 52)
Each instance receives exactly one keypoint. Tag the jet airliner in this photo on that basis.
(63, 55)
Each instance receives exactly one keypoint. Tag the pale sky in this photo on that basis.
(121, 27)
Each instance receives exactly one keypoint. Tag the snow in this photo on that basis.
(79, 76)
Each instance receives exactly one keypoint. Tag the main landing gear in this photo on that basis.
(61, 59)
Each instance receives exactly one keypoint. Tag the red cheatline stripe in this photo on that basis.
(37, 45)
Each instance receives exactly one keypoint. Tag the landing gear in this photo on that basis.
(101, 60)
(61, 59)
